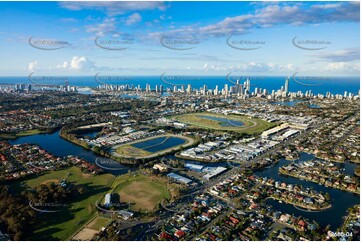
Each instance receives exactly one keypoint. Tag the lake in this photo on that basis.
(224, 122)
(60, 147)
(159, 144)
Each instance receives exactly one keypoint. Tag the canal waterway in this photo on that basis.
(333, 216)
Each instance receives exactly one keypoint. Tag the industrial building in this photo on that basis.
(179, 178)
(213, 171)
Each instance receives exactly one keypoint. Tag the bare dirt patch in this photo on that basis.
(56, 181)
(85, 234)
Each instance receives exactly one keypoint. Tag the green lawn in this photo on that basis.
(98, 223)
(131, 151)
(142, 192)
(250, 125)
(22, 133)
(59, 226)
(30, 132)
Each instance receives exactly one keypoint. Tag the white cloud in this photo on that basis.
(114, 8)
(81, 63)
(73, 30)
(63, 66)
(270, 15)
(133, 19)
(164, 17)
(343, 67)
(327, 6)
(69, 20)
(345, 55)
(78, 64)
(33, 66)
(251, 67)
(108, 25)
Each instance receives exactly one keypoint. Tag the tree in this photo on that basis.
(327, 196)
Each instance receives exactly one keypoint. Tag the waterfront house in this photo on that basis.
(284, 218)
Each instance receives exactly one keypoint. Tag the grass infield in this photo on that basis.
(141, 192)
(250, 125)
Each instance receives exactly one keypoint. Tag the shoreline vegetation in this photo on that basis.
(26, 133)
(301, 205)
(332, 160)
(284, 172)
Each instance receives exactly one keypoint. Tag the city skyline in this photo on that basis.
(229, 89)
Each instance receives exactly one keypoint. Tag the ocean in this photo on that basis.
(318, 85)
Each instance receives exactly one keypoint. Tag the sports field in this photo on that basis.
(59, 226)
(141, 192)
(220, 122)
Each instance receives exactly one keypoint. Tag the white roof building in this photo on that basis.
(108, 200)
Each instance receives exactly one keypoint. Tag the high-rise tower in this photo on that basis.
(286, 86)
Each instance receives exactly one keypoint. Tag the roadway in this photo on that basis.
(182, 202)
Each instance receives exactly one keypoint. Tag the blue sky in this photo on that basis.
(264, 38)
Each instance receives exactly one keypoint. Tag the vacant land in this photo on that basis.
(98, 223)
(85, 234)
(250, 125)
(30, 132)
(60, 226)
(131, 151)
(88, 232)
(141, 192)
